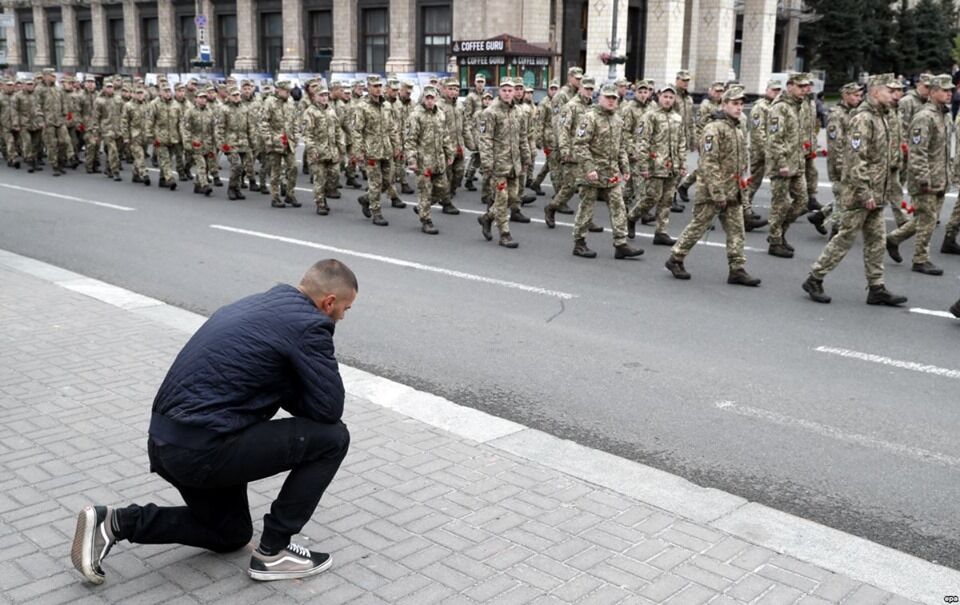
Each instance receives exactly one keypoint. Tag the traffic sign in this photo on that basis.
(201, 21)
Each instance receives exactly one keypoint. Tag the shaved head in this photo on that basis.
(332, 287)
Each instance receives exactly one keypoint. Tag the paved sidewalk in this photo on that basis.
(417, 514)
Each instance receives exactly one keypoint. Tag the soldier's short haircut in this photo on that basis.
(328, 276)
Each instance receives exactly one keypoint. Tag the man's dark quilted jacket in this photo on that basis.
(251, 358)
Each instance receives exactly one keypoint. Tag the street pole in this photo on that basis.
(614, 44)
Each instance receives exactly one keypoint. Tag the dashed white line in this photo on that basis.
(826, 430)
(400, 262)
(896, 363)
(920, 311)
(70, 198)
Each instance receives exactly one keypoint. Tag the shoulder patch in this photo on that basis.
(774, 124)
(582, 130)
(756, 120)
(832, 132)
(855, 142)
(482, 126)
(708, 143)
(917, 136)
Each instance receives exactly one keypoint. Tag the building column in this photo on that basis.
(403, 28)
(247, 55)
(756, 54)
(13, 39)
(599, 28)
(208, 9)
(101, 52)
(691, 30)
(41, 30)
(344, 36)
(292, 60)
(664, 42)
(717, 25)
(131, 35)
(167, 20)
(71, 42)
(791, 36)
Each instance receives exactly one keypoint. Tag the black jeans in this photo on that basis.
(213, 484)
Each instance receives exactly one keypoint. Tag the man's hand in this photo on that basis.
(397, 154)
(547, 151)
(645, 174)
(156, 142)
(626, 176)
(870, 204)
(284, 140)
(413, 167)
(784, 172)
(592, 176)
(721, 204)
(683, 172)
(196, 144)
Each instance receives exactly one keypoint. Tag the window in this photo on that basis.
(151, 44)
(117, 46)
(57, 45)
(435, 25)
(321, 40)
(375, 39)
(3, 43)
(226, 42)
(187, 37)
(271, 37)
(86, 42)
(29, 44)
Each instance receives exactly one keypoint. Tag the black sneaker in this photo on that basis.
(92, 540)
(292, 562)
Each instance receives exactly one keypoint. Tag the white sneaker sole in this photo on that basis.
(267, 576)
(81, 553)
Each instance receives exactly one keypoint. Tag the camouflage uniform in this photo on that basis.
(547, 139)
(759, 124)
(198, 132)
(164, 128)
(279, 138)
(324, 145)
(472, 106)
(9, 142)
(457, 125)
(810, 129)
(684, 108)
(504, 156)
(634, 116)
(950, 245)
(106, 125)
(785, 137)
(86, 128)
(705, 113)
(375, 142)
(28, 122)
(235, 131)
(566, 94)
(662, 151)
(56, 139)
(133, 126)
(429, 150)
(565, 183)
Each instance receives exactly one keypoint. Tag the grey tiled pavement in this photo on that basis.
(417, 515)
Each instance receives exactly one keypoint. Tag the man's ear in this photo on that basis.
(326, 303)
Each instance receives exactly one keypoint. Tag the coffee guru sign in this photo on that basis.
(478, 46)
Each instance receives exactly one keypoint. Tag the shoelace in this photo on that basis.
(300, 550)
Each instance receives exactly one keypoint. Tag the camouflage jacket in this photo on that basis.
(928, 163)
(254, 108)
(53, 104)
(545, 133)
(87, 101)
(599, 145)
(323, 138)
(809, 127)
(723, 161)
(908, 106)
(133, 122)
(866, 173)
(785, 137)
(663, 143)
(164, 122)
(277, 121)
(502, 153)
(472, 105)
(683, 107)
(236, 128)
(427, 141)
(837, 122)
(561, 98)
(26, 111)
(569, 118)
(106, 117)
(759, 122)
(634, 114)
(199, 126)
(6, 112)
(375, 135)
(705, 115)
(455, 123)
(527, 114)
(402, 110)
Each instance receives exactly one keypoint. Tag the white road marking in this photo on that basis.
(896, 363)
(826, 430)
(946, 314)
(400, 262)
(69, 198)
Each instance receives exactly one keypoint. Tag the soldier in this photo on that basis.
(164, 128)
(708, 107)
(505, 158)
(570, 114)
(133, 128)
(53, 106)
(459, 134)
(9, 142)
(404, 107)
(71, 101)
(429, 151)
(722, 188)
(486, 191)
(759, 123)
(198, 132)
(810, 127)
(683, 106)
(928, 173)
(235, 130)
(181, 152)
(375, 143)
(216, 103)
(600, 149)
(899, 150)
(472, 106)
(950, 245)
(851, 95)
(662, 150)
(786, 163)
(352, 100)
(911, 102)
(250, 104)
(566, 94)
(324, 144)
(86, 127)
(865, 175)
(546, 137)
(530, 109)
(106, 124)
(634, 116)
(28, 123)
(278, 133)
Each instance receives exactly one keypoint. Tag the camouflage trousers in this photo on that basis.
(506, 189)
(214, 165)
(455, 175)
(11, 146)
(703, 215)
(613, 196)
(75, 140)
(283, 172)
(953, 223)
(264, 160)
(202, 164)
(564, 184)
(236, 159)
(56, 140)
(758, 168)
(166, 164)
(30, 143)
(893, 197)
(833, 208)
(139, 159)
(789, 202)
(927, 211)
(91, 151)
(852, 221)
(636, 187)
(472, 166)
(389, 184)
(378, 175)
(550, 166)
(320, 170)
(689, 180)
(430, 184)
(112, 151)
(659, 197)
(249, 174)
(812, 175)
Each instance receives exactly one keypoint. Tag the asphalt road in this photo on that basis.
(845, 414)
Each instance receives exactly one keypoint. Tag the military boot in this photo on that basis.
(397, 202)
(527, 199)
(580, 249)
(353, 182)
(675, 266)
(56, 171)
(253, 185)
(134, 179)
(662, 239)
(927, 268)
(146, 181)
(406, 189)
(550, 216)
(291, 200)
(675, 206)
(162, 182)
(33, 166)
(814, 288)
(485, 224)
(647, 218)
(535, 187)
(778, 249)
(752, 222)
(207, 190)
(879, 295)
(449, 208)
(172, 185)
(217, 182)
(631, 228)
(231, 194)
(950, 245)
(516, 216)
(955, 309)
(626, 251)
(378, 220)
(893, 249)
(428, 228)
(564, 209)
(813, 204)
(277, 203)
(508, 242)
(684, 195)
(816, 219)
(468, 185)
(197, 188)
(322, 208)
(364, 202)
(185, 177)
(592, 227)
(740, 277)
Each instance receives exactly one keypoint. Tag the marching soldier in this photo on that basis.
(278, 133)
(86, 128)
(7, 120)
(810, 126)
(28, 123)
(567, 93)
(250, 105)
(708, 107)
(53, 106)
(235, 130)
(459, 133)
(429, 151)
(472, 106)
(198, 132)
(324, 144)
(865, 181)
(106, 124)
(910, 104)
(266, 93)
(71, 101)
(851, 95)
(525, 114)
(634, 117)
(133, 128)
(164, 128)
(375, 144)
(683, 106)
(600, 149)
(403, 107)
(546, 137)
(759, 124)
(566, 124)
(216, 104)
(721, 189)
(663, 148)
(182, 152)
(352, 101)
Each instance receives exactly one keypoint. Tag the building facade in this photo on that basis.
(715, 39)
